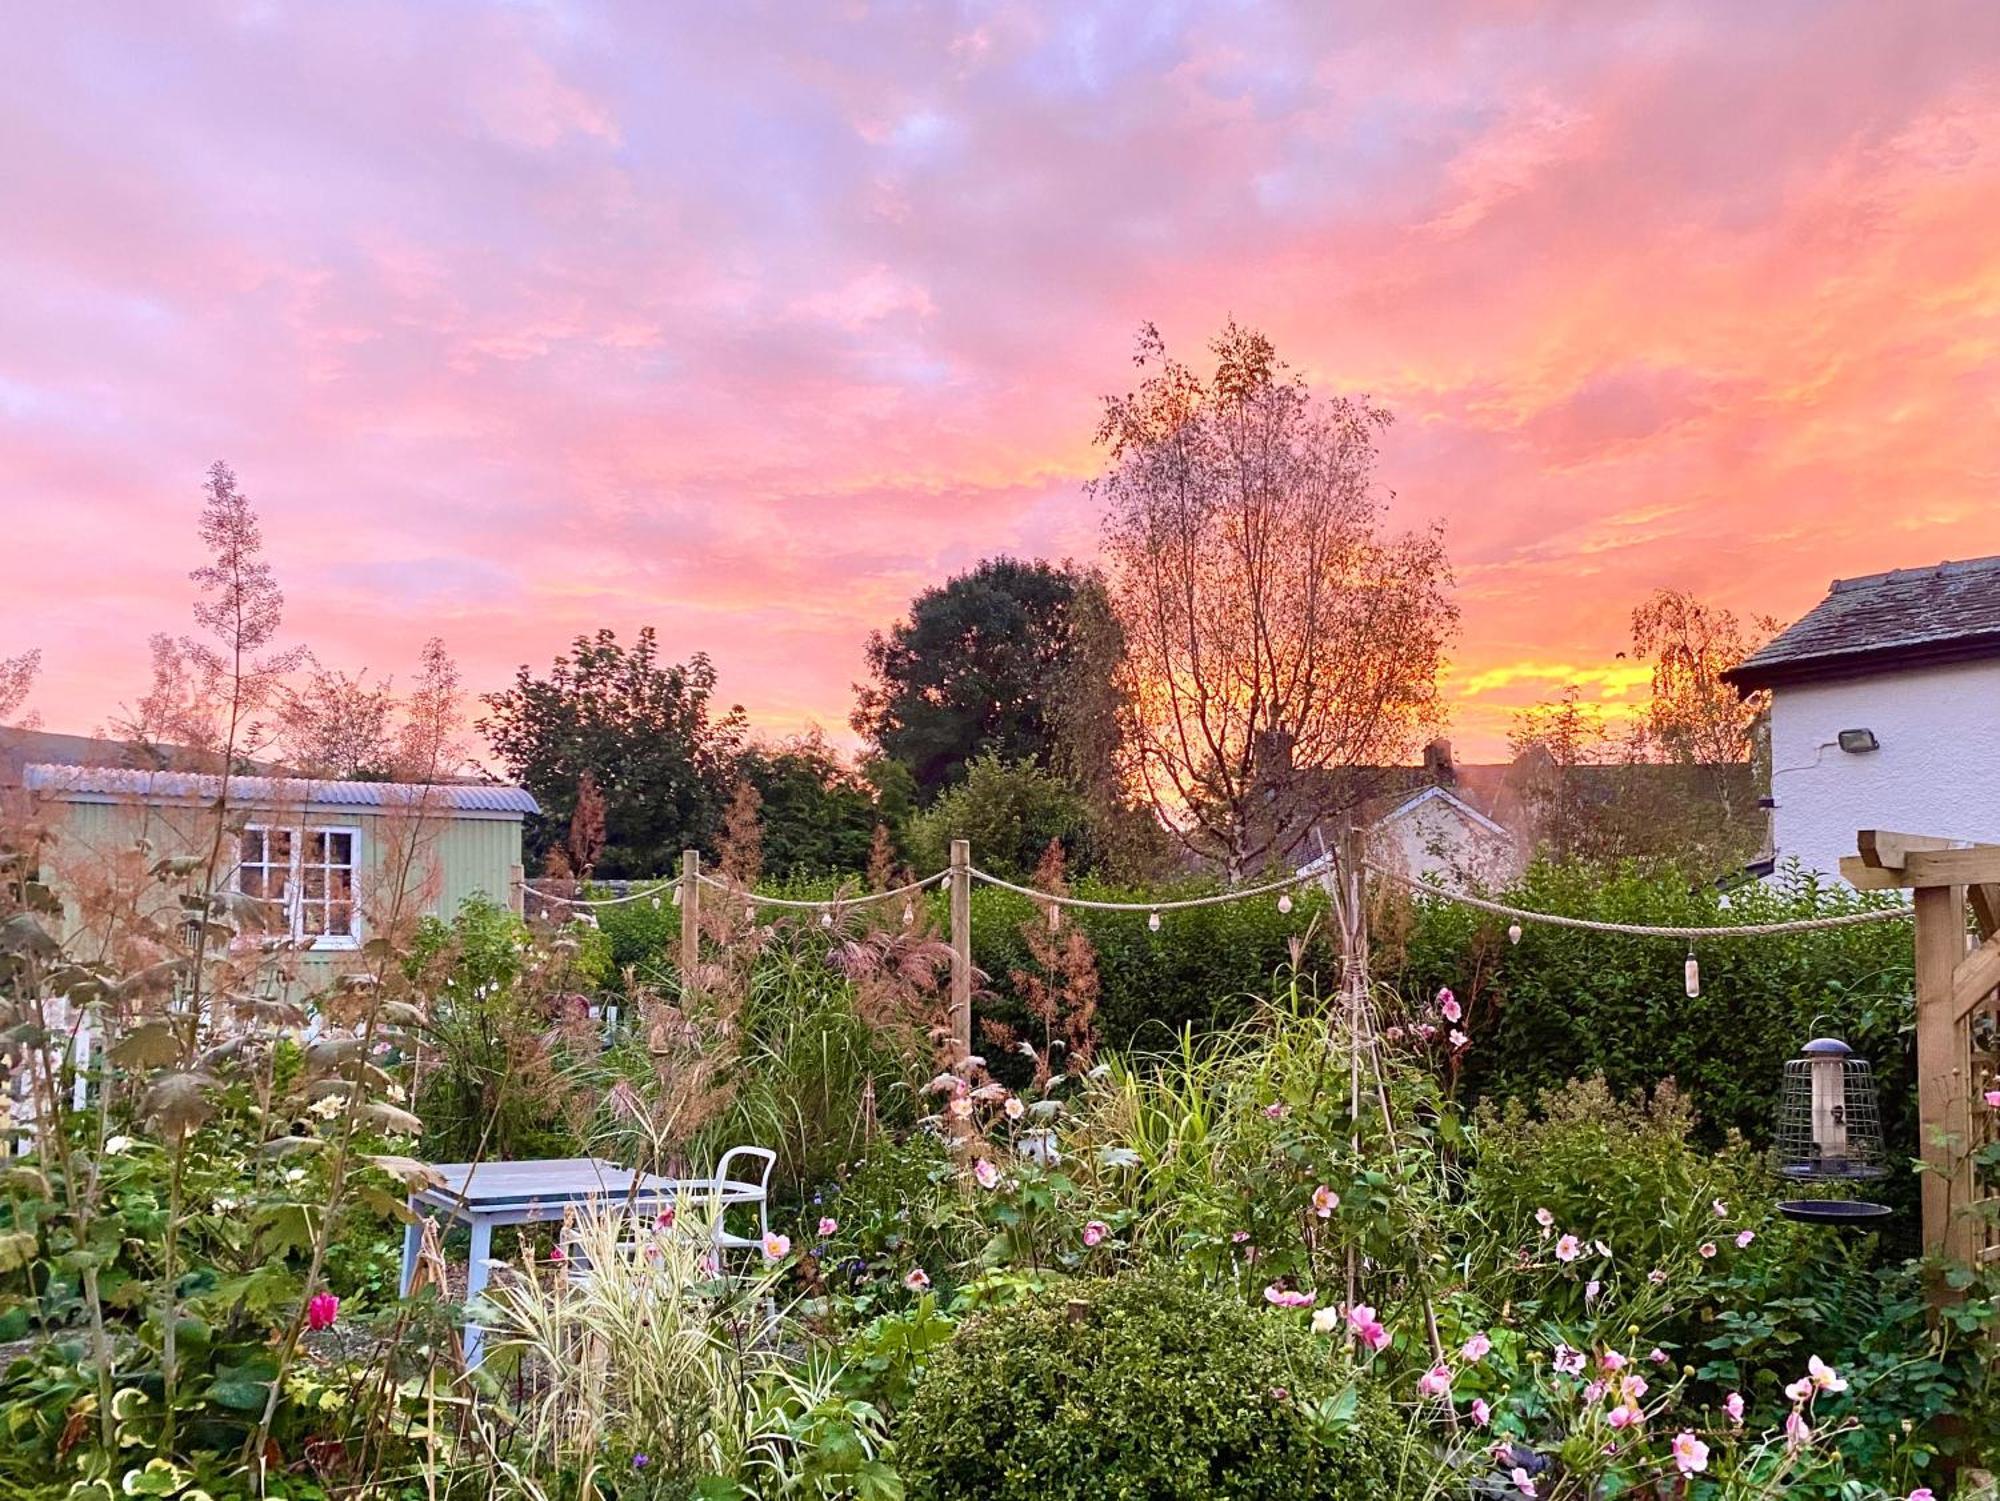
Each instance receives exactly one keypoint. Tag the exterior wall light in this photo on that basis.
(1858, 742)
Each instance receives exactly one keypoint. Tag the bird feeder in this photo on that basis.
(1830, 1131)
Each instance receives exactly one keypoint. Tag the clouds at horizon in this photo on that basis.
(752, 321)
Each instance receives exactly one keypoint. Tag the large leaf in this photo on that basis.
(390, 1118)
(152, 1044)
(415, 1175)
(22, 934)
(17, 1249)
(330, 1052)
(287, 1146)
(151, 980)
(242, 1388)
(176, 1102)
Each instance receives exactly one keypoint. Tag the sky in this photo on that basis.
(749, 321)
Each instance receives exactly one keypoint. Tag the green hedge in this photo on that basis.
(1561, 1004)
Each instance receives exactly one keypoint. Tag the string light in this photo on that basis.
(1055, 918)
(656, 903)
(1285, 902)
(826, 919)
(909, 913)
(677, 895)
(1693, 974)
(1153, 922)
(1513, 932)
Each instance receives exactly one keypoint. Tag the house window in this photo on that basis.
(310, 871)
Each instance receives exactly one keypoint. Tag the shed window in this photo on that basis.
(309, 871)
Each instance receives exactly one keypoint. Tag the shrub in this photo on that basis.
(1144, 1385)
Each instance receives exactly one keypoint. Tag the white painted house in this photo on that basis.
(1885, 711)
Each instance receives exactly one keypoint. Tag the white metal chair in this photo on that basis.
(758, 1192)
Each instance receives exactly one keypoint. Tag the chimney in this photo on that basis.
(1437, 763)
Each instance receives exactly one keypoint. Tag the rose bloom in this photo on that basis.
(827, 1227)
(1094, 1232)
(1325, 1201)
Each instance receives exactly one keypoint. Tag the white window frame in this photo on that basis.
(294, 887)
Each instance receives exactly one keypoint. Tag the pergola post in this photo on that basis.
(961, 944)
(1955, 979)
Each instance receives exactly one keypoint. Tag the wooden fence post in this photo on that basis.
(517, 889)
(690, 918)
(961, 944)
(1943, 1060)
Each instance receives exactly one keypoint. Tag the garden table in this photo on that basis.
(481, 1195)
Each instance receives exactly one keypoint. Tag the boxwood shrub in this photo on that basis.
(1144, 1385)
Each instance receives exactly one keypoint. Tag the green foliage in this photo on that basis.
(647, 733)
(1011, 812)
(972, 672)
(896, 1209)
(817, 817)
(1145, 1385)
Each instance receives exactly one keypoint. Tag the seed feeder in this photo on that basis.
(1830, 1132)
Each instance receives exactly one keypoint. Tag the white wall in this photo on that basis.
(1436, 838)
(1938, 771)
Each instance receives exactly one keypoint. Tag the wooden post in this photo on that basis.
(690, 918)
(961, 944)
(517, 889)
(1943, 1088)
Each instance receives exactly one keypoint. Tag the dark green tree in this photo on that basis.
(818, 817)
(647, 733)
(972, 672)
(1011, 813)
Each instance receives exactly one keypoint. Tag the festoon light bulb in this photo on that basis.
(909, 913)
(1693, 974)
(1513, 932)
(1153, 922)
(1285, 902)
(826, 919)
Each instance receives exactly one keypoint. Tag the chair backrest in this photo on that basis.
(763, 1180)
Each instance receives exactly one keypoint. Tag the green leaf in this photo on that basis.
(152, 1044)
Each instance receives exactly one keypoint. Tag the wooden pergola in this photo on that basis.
(1957, 977)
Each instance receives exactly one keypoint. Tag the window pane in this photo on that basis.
(315, 847)
(340, 884)
(278, 843)
(339, 918)
(251, 880)
(340, 849)
(253, 847)
(315, 879)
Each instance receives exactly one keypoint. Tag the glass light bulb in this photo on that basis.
(1285, 902)
(1153, 922)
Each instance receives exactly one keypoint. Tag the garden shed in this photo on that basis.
(317, 851)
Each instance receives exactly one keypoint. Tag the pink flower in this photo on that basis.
(1733, 1405)
(1325, 1201)
(1656, 1276)
(1800, 1389)
(1459, 1041)
(665, 1221)
(1992, 1098)
(1367, 1328)
(1744, 1237)
(321, 1310)
(1690, 1453)
(1568, 1248)
(960, 1107)
(1287, 1297)
(1448, 1005)
(1481, 1413)
(918, 1281)
(1721, 1209)
(1707, 1250)
(1798, 1432)
(1545, 1218)
(1612, 1361)
(1824, 1376)
(1593, 1392)
(1094, 1232)
(1921, 1493)
(1435, 1382)
(1657, 1355)
(776, 1246)
(1591, 1289)
(985, 1173)
(1623, 1416)
(556, 1253)
(1274, 1112)
(1568, 1362)
(827, 1227)
(1523, 1481)
(1237, 1237)
(1014, 1107)
(1476, 1348)
(1632, 1389)
(1375, 1337)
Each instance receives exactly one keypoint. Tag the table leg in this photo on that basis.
(475, 1282)
(413, 1237)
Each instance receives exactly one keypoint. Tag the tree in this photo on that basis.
(337, 726)
(1010, 812)
(1567, 733)
(647, 732)
(1276, 638)
(818, 817)
(972, 672)
(17, 678)
(1695, 718)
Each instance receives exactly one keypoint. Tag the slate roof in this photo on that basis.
(105, 782)
(1911, 617)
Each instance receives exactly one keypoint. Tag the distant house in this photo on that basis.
(315, 850)
(1885, 711)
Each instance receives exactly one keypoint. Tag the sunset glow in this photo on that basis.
(750, 321)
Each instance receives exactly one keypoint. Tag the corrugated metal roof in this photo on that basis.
(195, 787)
(1907, 618)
